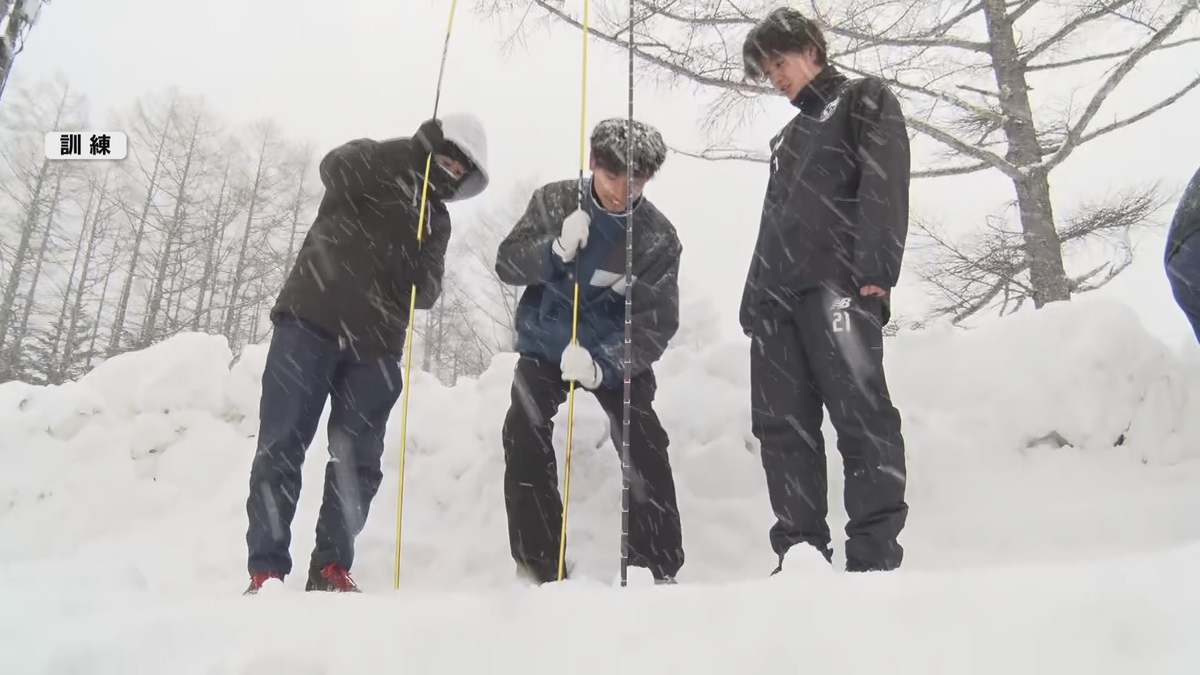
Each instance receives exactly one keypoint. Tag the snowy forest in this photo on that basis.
(195, 231)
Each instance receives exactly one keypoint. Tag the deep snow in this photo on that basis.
(122, 523)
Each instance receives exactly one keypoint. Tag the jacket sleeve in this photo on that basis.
(354, 168)
(748, 311)
(431, 265)
(655, 318)
(883, 150)
(524, 257)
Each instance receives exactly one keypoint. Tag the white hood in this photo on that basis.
(466, 131)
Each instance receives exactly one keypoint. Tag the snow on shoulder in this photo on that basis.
(1054, 478)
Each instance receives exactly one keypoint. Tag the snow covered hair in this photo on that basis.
(783, 31)
(609, 147)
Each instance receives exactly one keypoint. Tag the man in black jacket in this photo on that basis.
(829, 249)
(1182, 255)
(565, 235)
(340, 324)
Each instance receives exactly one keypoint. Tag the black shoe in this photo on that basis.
(543, 572)
(332, 578)
(665, 581)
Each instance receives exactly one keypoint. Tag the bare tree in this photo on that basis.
(33, 189)
(302, 198)
(193, 230)
(990, 268)
(263, 183)
(494, 301)
(184, 166)
(75, 359)
(17, 18)
(964, 70)
(152, 127)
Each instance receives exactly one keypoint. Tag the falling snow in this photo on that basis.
(121, 559)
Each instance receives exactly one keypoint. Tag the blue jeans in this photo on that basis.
(1183, 271)
(306, 366)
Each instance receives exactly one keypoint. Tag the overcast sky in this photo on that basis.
(329, 72)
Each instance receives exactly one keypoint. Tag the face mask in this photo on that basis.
(442, 182)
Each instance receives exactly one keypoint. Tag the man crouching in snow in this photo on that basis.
(340, 324)
(830, 245)
(556, 241)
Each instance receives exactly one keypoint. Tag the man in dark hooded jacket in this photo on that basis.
(340, 324)
(1182, 256)
(829, 249)
(568, 233)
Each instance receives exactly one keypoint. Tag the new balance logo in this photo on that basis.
(839, 303)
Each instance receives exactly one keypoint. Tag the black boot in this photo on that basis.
(543, 572)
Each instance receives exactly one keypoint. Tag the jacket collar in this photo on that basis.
(594, 202)
(823, 89)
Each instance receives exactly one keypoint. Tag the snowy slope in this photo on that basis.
(122, 524)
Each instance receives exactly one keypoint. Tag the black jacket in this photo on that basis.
(545, 311)
(354, 273)
(836, 206)
(1187, 217)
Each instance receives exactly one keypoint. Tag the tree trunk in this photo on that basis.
(112, 267)
(77, 308)
(174, 229)
(297, 206)
(256, 196)
(208, 282)
(13, 359)
(56, 369)
(118, 329)
(32, 216)
(1043, 249)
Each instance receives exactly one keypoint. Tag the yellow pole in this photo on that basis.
(562, 541)
(412, 309)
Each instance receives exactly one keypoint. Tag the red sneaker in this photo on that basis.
(334, 578)
(257, 580)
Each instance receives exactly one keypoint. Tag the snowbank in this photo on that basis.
(133, 480)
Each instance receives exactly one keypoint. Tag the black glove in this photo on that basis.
(429, 137)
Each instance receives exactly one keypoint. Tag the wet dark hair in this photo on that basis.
(609, 147)
(783, 31)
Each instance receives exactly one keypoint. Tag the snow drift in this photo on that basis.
(122, 522)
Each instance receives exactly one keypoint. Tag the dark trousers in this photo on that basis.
(305, 367)
(826, 349)
(531, 493)
(1183, 272)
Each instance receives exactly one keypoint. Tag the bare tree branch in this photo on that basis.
(1017, 13)
(1075, 133)
(725, 154)
(1143, 114)
(952, 170)
(1103, 57)
(1070, 27)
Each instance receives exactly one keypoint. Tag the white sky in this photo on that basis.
(329, 72)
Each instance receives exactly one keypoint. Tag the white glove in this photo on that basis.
(574, 235)
(577, 364)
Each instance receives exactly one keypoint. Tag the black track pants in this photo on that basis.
(826, 349)
(531, 493)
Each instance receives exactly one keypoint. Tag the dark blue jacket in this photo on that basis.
(1187, 217)
(545, 312)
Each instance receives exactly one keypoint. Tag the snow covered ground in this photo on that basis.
(122, 524)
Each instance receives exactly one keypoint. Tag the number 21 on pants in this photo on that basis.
(839, 315)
